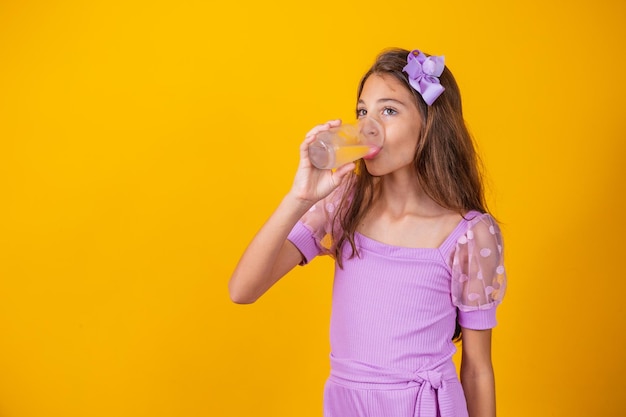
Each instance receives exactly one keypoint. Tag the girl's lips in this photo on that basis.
(373, 152)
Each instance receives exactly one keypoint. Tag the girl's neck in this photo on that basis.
(400, 195)
(402, 214)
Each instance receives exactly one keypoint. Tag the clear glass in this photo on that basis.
(346, 143)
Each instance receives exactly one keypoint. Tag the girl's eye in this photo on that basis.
(361, 113)
(387, 111)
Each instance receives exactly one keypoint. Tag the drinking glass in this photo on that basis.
(346, 143)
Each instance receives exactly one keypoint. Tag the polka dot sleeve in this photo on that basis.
(478, 275)
(320, 225)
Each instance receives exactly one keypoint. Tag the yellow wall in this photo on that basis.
(142, 143)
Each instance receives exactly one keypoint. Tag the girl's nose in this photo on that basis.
(372, 131)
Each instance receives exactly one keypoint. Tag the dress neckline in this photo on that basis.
(367, 242)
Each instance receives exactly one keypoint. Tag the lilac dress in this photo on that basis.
(394, 311)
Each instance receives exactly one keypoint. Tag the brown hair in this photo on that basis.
(446, 161)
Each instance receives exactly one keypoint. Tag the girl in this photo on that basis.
(418, 259)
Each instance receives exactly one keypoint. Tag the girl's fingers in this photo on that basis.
(304, 147)
(308, 140)
(310, 136)
(323, 127)
(342, 171)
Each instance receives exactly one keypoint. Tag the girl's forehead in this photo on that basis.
(386, 85)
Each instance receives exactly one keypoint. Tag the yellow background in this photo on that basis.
(142, 144)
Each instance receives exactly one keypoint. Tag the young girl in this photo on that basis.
(418, 259)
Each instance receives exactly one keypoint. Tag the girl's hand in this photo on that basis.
(312, 184)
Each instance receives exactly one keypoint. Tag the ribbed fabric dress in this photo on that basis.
(394, 311)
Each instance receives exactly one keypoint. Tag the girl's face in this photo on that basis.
(387, 100)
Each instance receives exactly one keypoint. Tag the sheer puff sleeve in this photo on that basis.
(478, 275)
(315, 233)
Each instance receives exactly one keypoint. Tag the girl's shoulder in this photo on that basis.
(476, 228)
(481, 223)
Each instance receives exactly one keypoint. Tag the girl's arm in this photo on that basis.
(269, 256)
(477, 374)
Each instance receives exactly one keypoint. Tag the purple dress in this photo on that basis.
(394, 311)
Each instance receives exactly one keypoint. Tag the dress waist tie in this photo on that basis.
(431, 394)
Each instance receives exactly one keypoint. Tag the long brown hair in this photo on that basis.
(446, 161)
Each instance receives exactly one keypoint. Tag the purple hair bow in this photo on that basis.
(424, 74)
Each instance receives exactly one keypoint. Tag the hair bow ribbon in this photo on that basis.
(424, 74)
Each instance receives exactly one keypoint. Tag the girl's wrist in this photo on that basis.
(300, 205)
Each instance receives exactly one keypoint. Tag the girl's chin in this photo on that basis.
(371, 168)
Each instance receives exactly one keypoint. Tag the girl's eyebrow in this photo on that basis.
(385, 100)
